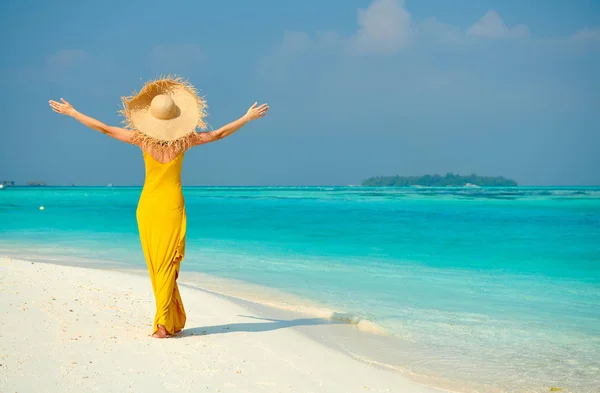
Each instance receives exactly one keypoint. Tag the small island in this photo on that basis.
(450, 180)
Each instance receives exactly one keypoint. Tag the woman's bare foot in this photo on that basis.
(161, 332)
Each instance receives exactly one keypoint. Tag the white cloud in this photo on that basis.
(384, 28)
(491, 25)
(65, 58)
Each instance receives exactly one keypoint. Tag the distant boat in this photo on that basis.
(109, 185)
(1, 186)
(471, 185)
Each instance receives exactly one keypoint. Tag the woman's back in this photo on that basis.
(163, 181)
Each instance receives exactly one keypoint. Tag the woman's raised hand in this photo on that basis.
(63, 108)
(256, 112)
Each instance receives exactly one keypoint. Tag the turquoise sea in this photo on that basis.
(492, 290)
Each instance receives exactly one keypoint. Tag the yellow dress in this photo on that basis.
(162, 225)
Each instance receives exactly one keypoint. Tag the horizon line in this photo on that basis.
(289, 185)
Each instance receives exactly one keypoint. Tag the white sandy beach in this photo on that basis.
(70, 329)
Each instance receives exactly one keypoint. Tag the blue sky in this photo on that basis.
(356, 88)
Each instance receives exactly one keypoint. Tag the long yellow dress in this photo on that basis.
(162, 226)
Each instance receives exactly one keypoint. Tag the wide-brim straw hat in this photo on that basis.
(165, 113)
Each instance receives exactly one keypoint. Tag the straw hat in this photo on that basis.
(165, 113)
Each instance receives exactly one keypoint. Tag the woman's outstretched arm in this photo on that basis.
(255, 112)
(115, 132)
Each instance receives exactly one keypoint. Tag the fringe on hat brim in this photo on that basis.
(164, 83)
(147, 142)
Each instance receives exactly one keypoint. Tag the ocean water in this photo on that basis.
(479, 289)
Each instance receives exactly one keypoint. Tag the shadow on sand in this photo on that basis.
(270, 324)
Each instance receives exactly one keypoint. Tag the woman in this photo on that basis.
(162, 119)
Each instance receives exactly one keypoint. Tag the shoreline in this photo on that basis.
(67, 313)
(372, 348)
